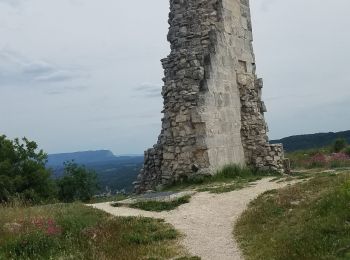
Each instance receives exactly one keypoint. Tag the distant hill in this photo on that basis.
(119, 172)
(302, 142)
(114, 172)
(81, 157)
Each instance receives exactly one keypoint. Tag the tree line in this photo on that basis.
(25, 177)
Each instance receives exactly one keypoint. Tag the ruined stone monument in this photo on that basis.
(213, 112)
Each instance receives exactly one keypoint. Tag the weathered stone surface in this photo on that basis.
(213, 112)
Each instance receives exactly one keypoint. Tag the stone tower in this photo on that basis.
(213, 112)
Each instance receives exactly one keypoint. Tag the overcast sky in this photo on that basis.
(85, 74)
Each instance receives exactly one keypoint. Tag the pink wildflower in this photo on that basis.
(319, 159)
(340, 157)
(53, 230)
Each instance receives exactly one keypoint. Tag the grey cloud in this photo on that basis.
(18, 70)
(76, 88)
(62, 90)
(126, 117)
(77, 2)
(11, 2)
(54, 92)
(59, 75)
(37, 67)
(265, 5)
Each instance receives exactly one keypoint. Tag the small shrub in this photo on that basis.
(338, 160)
(232, 171)
(339, 145)
(77, 183)
(149, 233)
(347, 150)
(159, 206)
(197, 179)
(317, 161)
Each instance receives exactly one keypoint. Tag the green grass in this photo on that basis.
(309, 221)
(74, 231)
(159, 206)
(229, 178)
(189, 258)
(232, 172)
(228, 186)
(108, 199)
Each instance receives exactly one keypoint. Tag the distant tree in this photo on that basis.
(347, 150)
(339, 145)
(77, 183)
(22, 171)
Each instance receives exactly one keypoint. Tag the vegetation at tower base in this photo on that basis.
(303, 221)
(229, 178)
(74, 231)
(213, 112)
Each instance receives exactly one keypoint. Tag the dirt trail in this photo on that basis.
(207, 221)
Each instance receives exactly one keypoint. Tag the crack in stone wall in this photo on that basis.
(213, 113)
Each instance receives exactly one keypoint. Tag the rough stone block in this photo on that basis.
(213, 112)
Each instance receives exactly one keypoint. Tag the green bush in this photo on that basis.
(22, 172)
(78, 183)
(159, 206)
(339, 145)
(347, 150)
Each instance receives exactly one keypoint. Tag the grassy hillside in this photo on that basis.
(304, 221)
(74, 231)
(311, 141)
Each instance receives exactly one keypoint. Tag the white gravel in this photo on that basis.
(207, 221)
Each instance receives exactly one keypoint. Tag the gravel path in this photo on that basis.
(207, 221)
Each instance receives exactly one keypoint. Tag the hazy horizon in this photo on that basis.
(79, 75)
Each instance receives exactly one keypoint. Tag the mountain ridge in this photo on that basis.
(86, 157)
(311, 141)
(119, 172)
